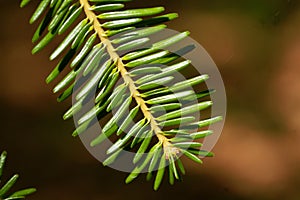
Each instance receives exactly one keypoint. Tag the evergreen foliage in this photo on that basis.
(165, 126)
(5, 193)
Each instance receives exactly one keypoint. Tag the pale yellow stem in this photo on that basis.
(125, 75)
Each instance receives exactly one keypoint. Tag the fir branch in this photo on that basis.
(5, 193)
(94, 54)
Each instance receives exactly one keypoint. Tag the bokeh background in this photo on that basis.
(256, 45)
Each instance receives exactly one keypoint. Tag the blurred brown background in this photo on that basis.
(256, 46)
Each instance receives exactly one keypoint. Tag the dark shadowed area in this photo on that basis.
(255, 44)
